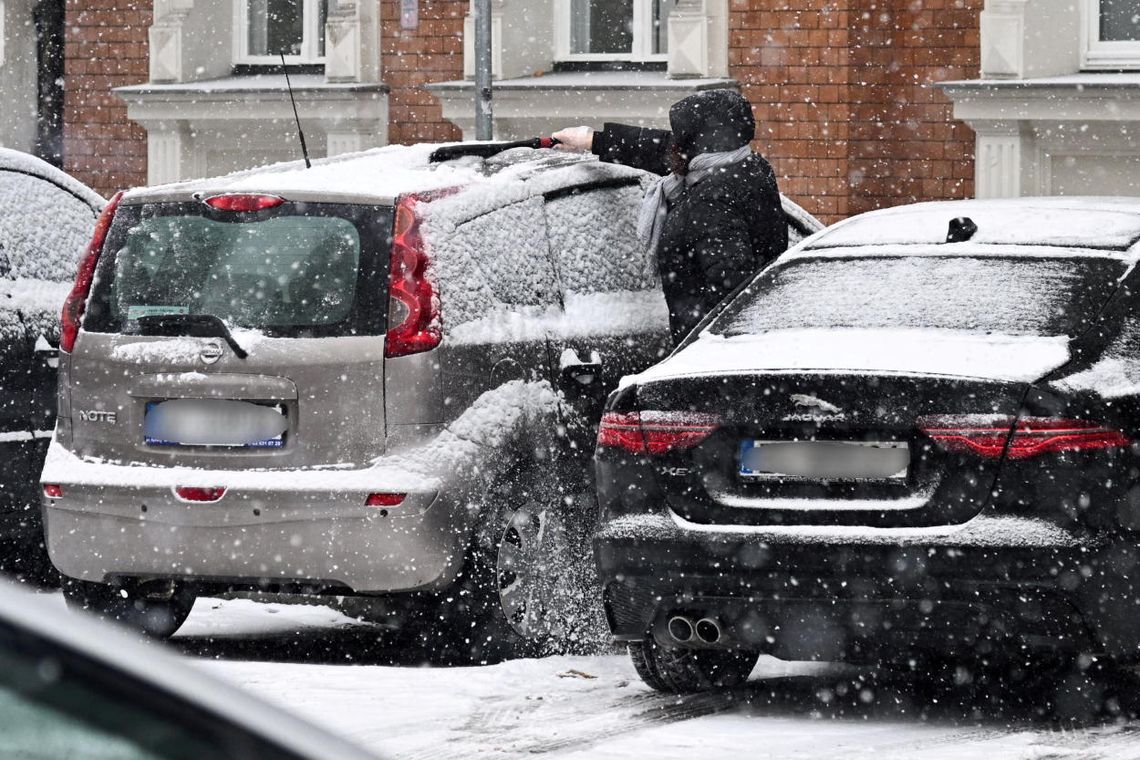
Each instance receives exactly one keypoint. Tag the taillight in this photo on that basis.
(385, 499)
(197, 494)
(413, 308)
(654, 432)
(76, 302)
(1031, 437)
(243, 202)
(53, 490)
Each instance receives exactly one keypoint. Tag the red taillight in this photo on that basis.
(243, 202)
(76, 302)
(197, 494)
(53, 490)
(1031, 436)
(411, 292)
(655, 432)
(385, 499)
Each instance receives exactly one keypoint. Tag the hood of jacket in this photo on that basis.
(711, 121)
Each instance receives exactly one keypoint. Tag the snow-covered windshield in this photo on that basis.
(289, 268)
(1005, 295)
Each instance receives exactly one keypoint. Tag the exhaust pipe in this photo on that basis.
(708, 630)
(680, 629)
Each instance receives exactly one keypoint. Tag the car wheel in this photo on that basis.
(158, 611)
(683, 671)
(531, 564)
(523, 589)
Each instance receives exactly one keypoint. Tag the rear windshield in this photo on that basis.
(1022, 296)
(294, 270)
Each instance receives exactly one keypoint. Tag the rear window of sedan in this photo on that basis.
(1004, 295)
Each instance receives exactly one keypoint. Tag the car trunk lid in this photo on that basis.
(235, 336)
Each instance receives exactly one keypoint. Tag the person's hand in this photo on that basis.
(577, 139)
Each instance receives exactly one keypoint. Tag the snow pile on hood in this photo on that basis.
(472, 444)
(905, 352)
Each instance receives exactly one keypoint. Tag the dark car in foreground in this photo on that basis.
(46, 218)
(72, 687)
(911, 437)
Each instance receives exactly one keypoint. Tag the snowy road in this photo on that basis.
(330, 668)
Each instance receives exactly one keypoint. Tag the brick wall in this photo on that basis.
(105, 47)
(843, 106)
(411, 58)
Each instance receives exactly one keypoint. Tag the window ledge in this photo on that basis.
(561, 81)
(252, 84)
(530, 106)
(1092, 97)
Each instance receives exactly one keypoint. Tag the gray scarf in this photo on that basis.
(665, 190)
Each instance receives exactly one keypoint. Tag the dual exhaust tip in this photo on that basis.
(684, 630)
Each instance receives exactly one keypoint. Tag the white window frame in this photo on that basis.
(1104, 54)
(641, 50)
(309, 37)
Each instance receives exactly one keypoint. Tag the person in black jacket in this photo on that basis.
(715, 218)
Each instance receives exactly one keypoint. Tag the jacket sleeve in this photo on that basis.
(638, 147)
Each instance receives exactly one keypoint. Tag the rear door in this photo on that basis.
(499, 295)
(301, 289)
(614, 320)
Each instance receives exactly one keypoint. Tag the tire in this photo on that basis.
(158, 615)
(685, 671)
(520, 592)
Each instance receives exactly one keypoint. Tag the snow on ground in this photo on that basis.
(596, 707)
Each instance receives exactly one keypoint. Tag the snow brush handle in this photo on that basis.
(486, 150)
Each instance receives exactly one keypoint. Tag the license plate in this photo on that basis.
(824, 460)
(208, 422)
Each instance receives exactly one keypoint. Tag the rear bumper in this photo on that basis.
(269, 529)
(833, 593)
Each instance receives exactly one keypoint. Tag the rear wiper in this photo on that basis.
(191, 326)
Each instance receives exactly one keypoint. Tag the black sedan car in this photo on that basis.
(911, 436)
(46, 219)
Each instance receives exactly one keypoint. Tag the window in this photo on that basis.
(1110, 34)
(613, 30)
(266, 28)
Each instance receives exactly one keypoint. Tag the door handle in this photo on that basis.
(46, 350)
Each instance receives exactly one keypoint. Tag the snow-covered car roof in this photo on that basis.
(23, 163)
(382, 175)
(1111, 225)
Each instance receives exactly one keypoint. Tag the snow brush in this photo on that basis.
(486, 150)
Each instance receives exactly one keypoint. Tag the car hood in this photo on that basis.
(1013, 358)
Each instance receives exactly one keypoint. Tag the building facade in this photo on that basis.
(1056, 109)
(843, 90)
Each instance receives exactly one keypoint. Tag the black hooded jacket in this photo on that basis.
(720, 231)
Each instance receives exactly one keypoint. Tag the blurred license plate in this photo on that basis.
(824, 460)
(203, 422)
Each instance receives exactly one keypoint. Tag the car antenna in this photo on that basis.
(300, 132)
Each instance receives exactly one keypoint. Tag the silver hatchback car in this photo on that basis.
(379, 376)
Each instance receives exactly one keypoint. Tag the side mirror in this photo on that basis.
(577, 374)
